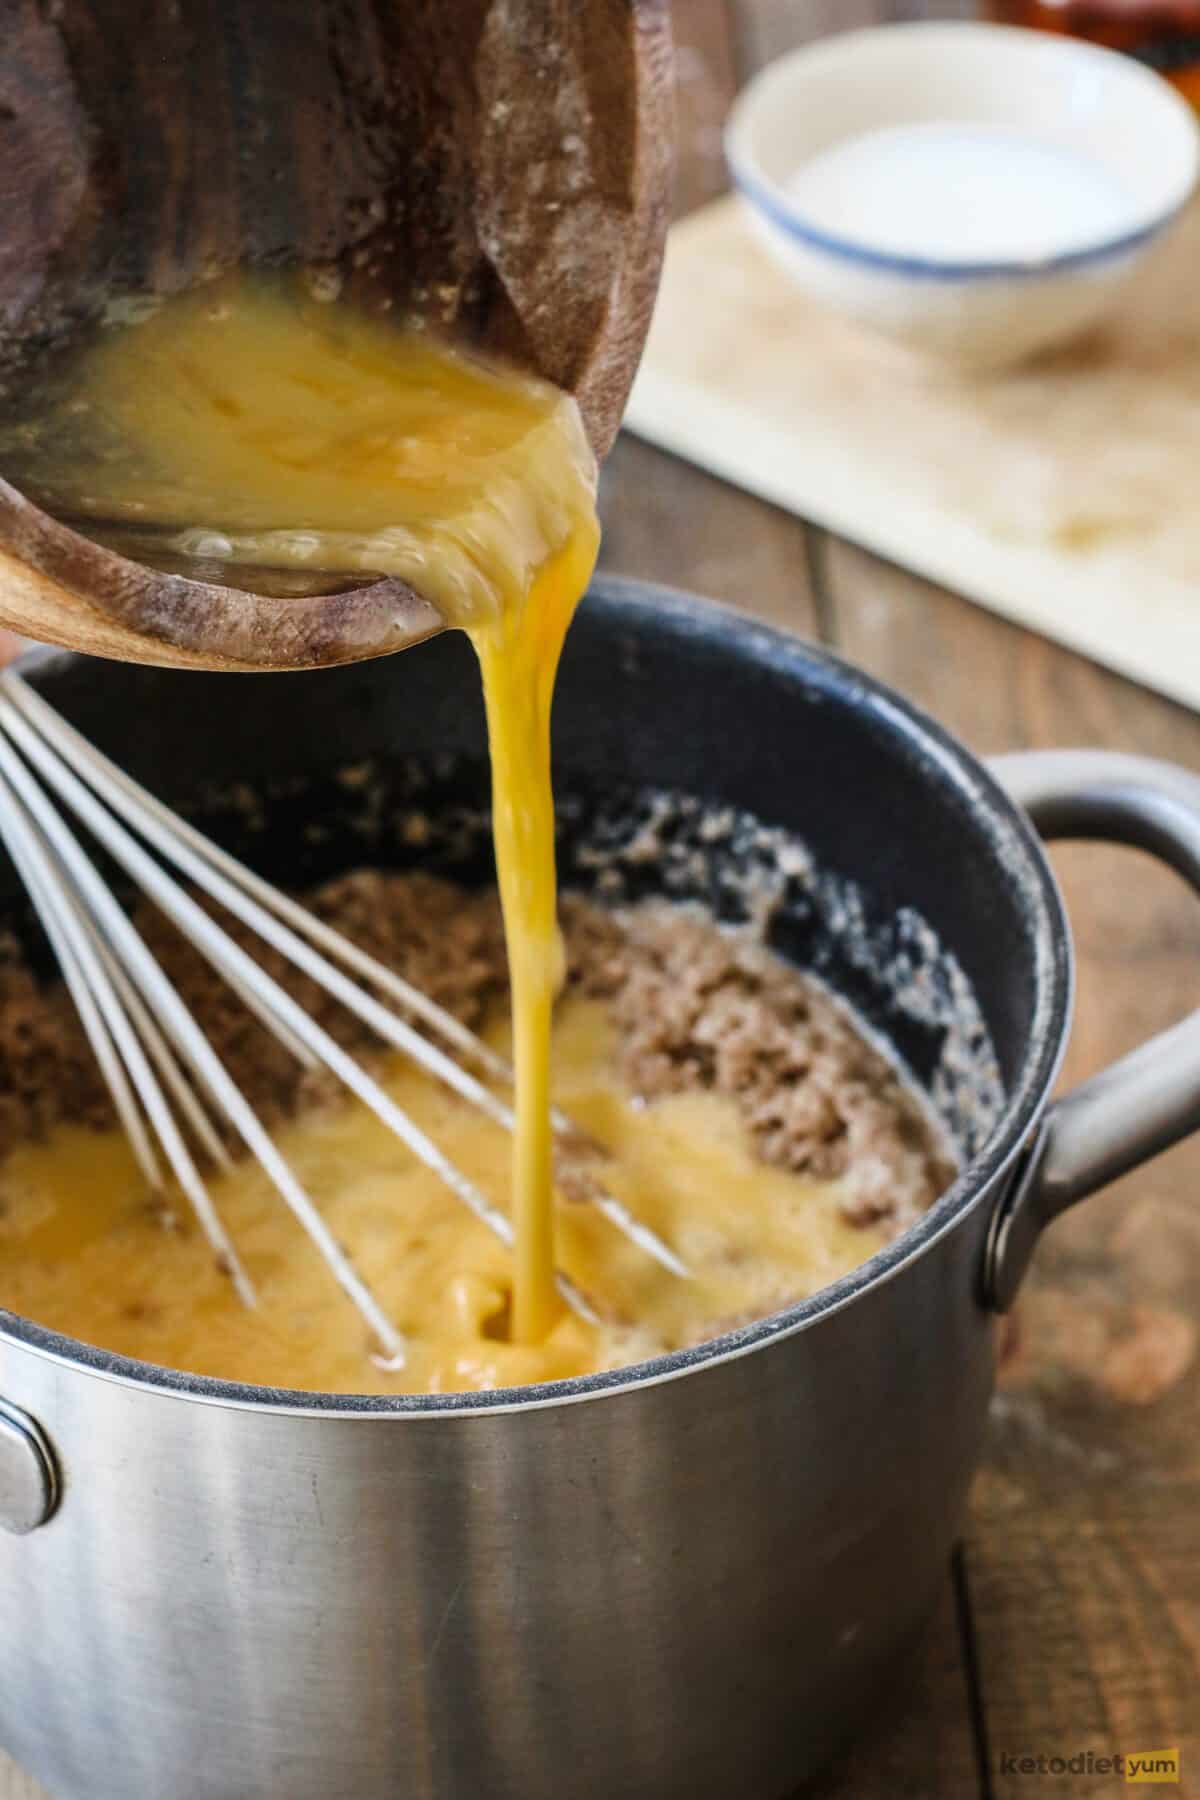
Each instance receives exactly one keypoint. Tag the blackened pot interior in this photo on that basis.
(697, 753)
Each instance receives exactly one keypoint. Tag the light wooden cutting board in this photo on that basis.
(17, 1786)
(1065, 495)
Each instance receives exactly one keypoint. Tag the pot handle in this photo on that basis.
(1151, 1097)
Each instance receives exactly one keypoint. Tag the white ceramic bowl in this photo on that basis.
(1066, 95)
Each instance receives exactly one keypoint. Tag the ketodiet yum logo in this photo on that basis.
(1134, 1766)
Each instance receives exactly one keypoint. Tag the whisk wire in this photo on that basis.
(134, 1018)
(303, 922)
(76, 950)
(46, 894)
(160, 1054)
(284, 924)
(227, 956)
(159, 994)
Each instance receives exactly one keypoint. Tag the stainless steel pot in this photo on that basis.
(686, 1579)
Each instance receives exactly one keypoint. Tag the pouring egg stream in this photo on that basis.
(283, 438)
(201, 431)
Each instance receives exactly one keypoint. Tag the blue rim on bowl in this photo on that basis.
(774, 203)
(794, 225)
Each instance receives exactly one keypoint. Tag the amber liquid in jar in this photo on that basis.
(1163, 34)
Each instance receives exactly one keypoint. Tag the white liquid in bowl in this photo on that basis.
(949, 192)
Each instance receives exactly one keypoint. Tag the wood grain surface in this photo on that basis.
(1071, 1621)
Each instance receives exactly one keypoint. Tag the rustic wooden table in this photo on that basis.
(1071, 1619)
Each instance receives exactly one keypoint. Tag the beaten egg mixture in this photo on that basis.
(727, 1100)
(82, 1249)
(252, 424)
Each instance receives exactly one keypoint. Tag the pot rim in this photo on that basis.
(1013, 837)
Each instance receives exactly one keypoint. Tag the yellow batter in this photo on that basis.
(81, 1250)
(249, 423)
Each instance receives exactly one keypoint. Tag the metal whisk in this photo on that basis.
(163, 1074)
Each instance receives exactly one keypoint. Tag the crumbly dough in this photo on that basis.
(697, 1007)
(693, 1006)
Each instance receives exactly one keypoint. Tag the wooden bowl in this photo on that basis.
(499, 167)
